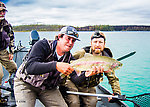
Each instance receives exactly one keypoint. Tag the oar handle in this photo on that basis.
(91, 94)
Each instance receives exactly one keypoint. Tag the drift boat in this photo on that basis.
(21, 51)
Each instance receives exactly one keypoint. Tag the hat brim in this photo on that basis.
(74, 37)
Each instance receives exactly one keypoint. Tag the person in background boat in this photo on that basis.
(85, 83)
(47, 64)
(6, 40)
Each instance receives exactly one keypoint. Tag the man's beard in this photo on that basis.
(96, 51)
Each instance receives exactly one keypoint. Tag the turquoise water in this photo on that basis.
(135, 73)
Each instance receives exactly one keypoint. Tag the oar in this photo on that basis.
(91, 94)
(126, 56)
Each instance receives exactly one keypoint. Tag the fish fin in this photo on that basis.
(78, 72)
(71, 61)
(88, 73)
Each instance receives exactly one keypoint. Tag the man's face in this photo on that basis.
(67, 43)
(2, 14)
(97, 45)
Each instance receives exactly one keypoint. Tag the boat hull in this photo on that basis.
(104, 101)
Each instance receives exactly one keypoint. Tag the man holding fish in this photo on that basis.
(96, 60)
(40, 75)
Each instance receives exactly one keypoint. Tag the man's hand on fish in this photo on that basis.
(95, 70)
(64, 68)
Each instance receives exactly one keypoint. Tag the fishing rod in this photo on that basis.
(139, 100)
(126, 56)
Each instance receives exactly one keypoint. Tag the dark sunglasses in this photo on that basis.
(98, 35)
(73, 33)
(3, 11)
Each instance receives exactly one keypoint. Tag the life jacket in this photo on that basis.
(47, 80)
(4, 35)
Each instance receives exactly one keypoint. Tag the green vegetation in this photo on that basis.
(85, 28)
(37, 27)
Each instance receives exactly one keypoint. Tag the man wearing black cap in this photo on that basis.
(40, 75)
(6, 40)
(85, 82)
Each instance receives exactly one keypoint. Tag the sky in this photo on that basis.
(78, 12)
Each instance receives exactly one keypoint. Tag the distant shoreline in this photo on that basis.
(28, 28)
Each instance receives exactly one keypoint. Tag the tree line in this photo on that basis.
(85, 28)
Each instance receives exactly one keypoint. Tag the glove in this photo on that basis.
(112, 100)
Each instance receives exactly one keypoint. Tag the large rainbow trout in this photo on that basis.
(85, 63)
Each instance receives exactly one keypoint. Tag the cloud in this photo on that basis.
(78, 12)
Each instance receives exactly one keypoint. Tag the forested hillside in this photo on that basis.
(85, 28)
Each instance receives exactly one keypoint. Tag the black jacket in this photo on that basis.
(42, 59)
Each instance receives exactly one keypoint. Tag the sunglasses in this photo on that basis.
(98, 35)
(73, 33)
(2, 11)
